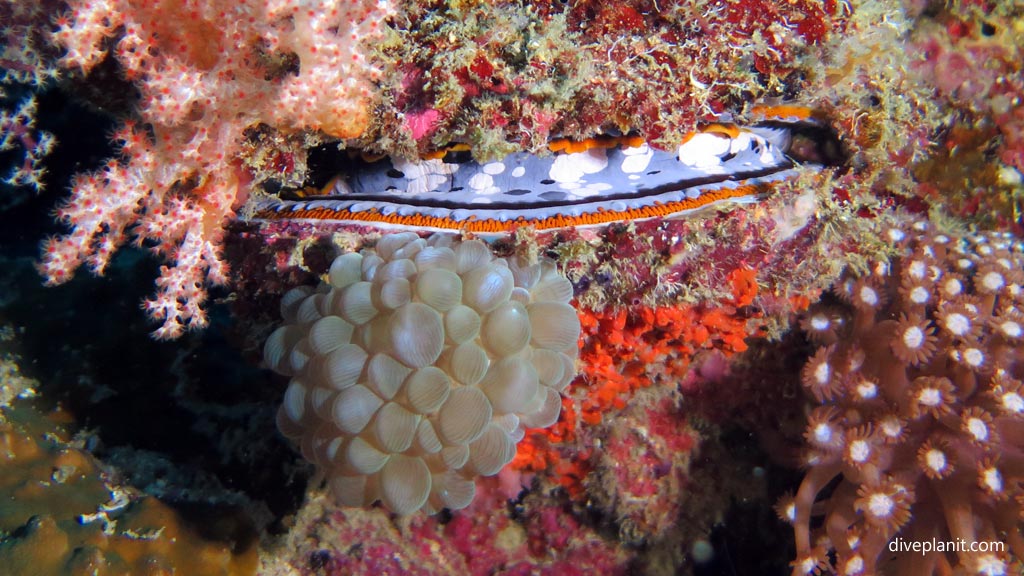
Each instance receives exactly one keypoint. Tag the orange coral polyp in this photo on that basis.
(813, 562)
(932, 395)
(822, 324)
(977, 425)
(989, 280)
(885, 506)
(935, 460)
(913, 340)
(955, 319)
(819, 375)
(1008, 395)
(860, 447)
(823, 429)
(1009, 325)
(951, 285)
(990, 480)
(917, 294)
(785, 509)
(867, 296)
(891, 428)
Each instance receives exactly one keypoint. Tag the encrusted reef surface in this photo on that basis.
(65, 512)
(781, 385)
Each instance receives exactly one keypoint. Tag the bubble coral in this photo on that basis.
(418, 365)
(920, 428)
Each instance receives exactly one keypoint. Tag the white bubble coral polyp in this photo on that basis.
(418, 366)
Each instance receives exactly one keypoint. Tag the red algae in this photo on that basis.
(480, 540)
(642, 473)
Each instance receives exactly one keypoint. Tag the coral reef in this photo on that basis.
(484, 539)
(497, 76)
(970, 52)
(689, 373)
(517, 75)
(920, 410)
(63, 512)
(647, 496)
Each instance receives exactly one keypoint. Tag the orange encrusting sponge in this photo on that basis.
(627, 349)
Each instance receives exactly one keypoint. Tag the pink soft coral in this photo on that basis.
(206, 71)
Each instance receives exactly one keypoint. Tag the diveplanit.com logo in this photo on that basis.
(957, 545)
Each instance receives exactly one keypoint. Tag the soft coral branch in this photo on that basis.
(17, 130)
(204, 70)
(25, 64)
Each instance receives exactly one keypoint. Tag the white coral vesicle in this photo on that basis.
(418, 365)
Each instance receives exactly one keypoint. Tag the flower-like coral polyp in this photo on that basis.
(860, 450)
(931, 395)
(934, 459)
(913, 340)
(920, 424)
(885, 506)
(819, 376)
(821, 323)
(1008, 395)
